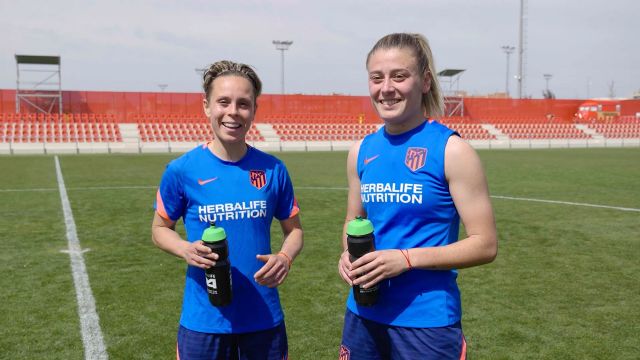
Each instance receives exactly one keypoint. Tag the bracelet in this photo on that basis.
(286, 257)
(405, 253)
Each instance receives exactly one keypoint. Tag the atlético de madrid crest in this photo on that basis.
(258, 178)
(416, 158)
(345, 353)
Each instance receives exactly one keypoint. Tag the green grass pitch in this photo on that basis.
(564, 286)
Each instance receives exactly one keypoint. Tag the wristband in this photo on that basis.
(286, 257)
(405, 253)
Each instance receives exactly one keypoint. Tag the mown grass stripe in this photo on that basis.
(345, 189)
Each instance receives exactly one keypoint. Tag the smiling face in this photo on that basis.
(396, 88)
(231, 108)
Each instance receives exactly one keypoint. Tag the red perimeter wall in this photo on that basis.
(481, 108)
(127, 104)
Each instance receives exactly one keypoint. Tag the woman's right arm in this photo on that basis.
(166, 238)
(354, 208)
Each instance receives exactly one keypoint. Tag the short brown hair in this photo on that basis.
(226, 67)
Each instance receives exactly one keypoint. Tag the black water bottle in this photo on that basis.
(218, 277)
(360, 240)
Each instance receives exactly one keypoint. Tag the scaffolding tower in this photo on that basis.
(453, 101)
(38, 84)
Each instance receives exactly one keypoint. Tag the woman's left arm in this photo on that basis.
(470, 193)
(277, 266)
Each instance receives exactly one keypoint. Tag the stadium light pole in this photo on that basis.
(282, 45)
(521, 47)
(508, 50)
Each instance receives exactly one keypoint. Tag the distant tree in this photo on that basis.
(548, 94)
(612, 89)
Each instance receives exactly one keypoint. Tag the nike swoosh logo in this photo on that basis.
(204, 182)
(368, 160)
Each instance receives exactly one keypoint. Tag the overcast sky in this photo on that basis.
(590, 47)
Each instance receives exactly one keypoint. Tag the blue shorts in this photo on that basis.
(267, 344)
(364, 339)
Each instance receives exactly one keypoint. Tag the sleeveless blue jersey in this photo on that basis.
(406, 196)
(242, 197)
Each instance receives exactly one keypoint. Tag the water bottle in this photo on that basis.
(218, 277)
(360, 241)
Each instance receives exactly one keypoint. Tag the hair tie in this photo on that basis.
(286, 257)
(405, 253)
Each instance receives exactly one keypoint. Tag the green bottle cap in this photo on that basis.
(359, 227)
(213, 233)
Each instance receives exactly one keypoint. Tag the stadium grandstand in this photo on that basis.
(136, 122)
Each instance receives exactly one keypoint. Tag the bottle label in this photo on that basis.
(212, 284)
(374, 288)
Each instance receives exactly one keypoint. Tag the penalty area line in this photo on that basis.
(92, 339)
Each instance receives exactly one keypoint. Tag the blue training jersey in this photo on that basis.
(406, 196)
(242, 197)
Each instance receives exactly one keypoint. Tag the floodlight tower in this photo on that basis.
(282, 45)
(508, 50)
(522, 46)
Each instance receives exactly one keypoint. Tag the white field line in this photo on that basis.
(566, 203)
(508, 198)
(28, 190)
(344, 189)
(89, 322)
(82, 188)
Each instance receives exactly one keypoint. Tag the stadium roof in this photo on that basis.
(37, 59)
(450, 72)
